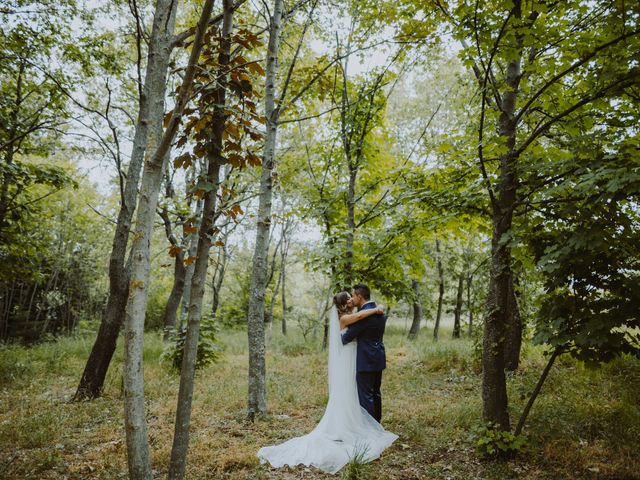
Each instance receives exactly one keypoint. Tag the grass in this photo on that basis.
(585, 424)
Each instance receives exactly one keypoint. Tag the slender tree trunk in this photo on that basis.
(217, 281)
(494, 387)
(135, 422)
(257, 395)
(170, 316)
(198, 282)
(188, 274)
(469, 306)
(436, 328)
(513, 342)
(351, 224)
(417, 310)
(179, 272)
(272, 271)
(272, 303)
(189, 357)
(150, 115)
(458, 310)
(283, 266)
(536, 390)
(173, 302)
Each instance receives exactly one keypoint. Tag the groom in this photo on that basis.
(370, 360)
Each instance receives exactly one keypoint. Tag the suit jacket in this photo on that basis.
(369, 331)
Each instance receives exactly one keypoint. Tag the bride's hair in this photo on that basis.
(340, 301)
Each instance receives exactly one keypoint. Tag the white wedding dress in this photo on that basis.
(346, 430)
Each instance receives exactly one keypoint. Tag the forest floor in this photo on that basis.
(585, 424)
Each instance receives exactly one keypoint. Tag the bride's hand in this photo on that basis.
(379, 310)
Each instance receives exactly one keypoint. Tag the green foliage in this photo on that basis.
(491, 442)
(159, 290)
(209, 347)
(54, 254)
(589, 259)
(13, 368)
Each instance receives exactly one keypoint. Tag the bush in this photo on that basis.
(491, 442)
(209, 348)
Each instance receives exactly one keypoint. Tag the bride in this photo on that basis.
(346, 431)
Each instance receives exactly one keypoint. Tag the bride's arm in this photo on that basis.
(349, 318)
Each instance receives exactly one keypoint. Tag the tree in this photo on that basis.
(257, 403)
(274, 107)
(215, 159)
(527, 98)
(146, 139)
(137, 442)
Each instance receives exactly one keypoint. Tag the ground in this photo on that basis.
(585, 425)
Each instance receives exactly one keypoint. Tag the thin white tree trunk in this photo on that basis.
(257, 401)
(135, 423)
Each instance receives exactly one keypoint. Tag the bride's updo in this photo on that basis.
(340, 301)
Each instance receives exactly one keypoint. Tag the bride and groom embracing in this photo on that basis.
(350, 427)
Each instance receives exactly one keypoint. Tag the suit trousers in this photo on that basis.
(369, 392)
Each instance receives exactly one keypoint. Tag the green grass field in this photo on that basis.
(585, 425)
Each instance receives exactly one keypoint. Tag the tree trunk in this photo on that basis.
(283, 265)
(272, 303)
(179, 272)
(135, 422)
(173, 302)
(188, 274)
(469, 306)
(536, 390)
(150, 115)
(351, 224)
(494, 387)
(325, 332)
(436, 328)
(198, 281)
(513, 341)
(417, 310)
(272, 270)
(218, 279)
(458, 310)
(257, 395)
(170, 315)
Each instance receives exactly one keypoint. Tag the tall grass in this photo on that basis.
(584, 418)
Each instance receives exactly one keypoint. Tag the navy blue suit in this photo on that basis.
(370, 359)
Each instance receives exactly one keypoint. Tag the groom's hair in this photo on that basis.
(362, 290)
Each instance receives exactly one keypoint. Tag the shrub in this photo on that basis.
(491, 442)
(209, 348)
